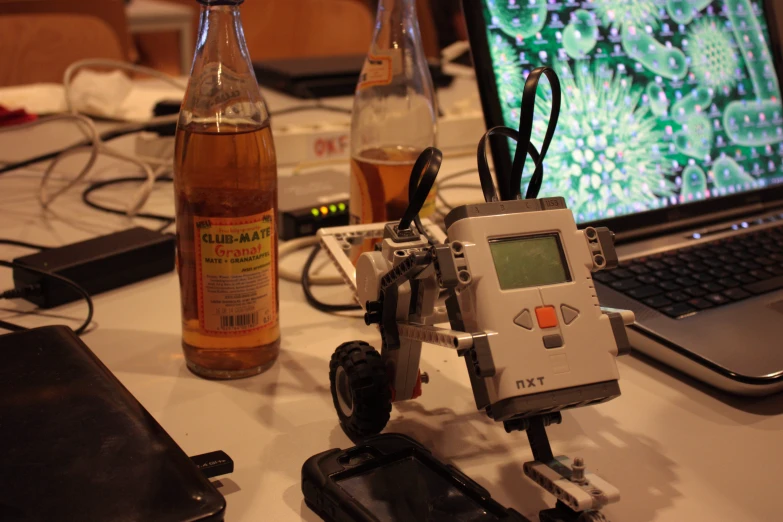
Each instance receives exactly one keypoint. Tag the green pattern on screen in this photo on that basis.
(664, 101)
(528, 262)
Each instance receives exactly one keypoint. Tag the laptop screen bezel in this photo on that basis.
(650, 222)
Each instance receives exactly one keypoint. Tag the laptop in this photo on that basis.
(671, 135)
(323, 76)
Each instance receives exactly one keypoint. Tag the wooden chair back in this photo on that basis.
(41, 38)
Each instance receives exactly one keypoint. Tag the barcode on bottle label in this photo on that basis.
(242, 321)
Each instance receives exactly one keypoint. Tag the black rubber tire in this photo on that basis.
(368, 385)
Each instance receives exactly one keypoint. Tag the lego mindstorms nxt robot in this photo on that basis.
(521, 308)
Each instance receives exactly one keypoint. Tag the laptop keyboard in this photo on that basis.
(685, 281)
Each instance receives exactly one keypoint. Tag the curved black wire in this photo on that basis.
(311, 299)
(168, 220)
(85, 295)
(485, 174)
(421, 181)
(11, 327)
(105, 136)
(526, 128)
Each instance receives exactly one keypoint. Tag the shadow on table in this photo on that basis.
(459, 436)
(762, 406)
(632, 462)
(226, 486)
(294, 499)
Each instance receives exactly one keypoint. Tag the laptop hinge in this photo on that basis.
(661, 229)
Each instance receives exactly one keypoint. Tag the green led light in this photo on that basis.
(314, 212)
(333, 208)
(341, 206)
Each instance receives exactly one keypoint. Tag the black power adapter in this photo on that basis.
(97, 265)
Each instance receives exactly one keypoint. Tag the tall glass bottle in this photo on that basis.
(394, 116)
(225, 182)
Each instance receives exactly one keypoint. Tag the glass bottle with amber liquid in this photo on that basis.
(394, 117)
(225, 182)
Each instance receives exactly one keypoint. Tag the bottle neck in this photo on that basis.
(221, 39)
(394, 20)
(222, 91)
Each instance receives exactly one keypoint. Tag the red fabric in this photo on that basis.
(15, 117)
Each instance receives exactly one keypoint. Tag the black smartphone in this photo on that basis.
(393, 478)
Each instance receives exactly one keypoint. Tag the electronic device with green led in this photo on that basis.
(310, 201)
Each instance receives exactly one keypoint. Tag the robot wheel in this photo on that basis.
(360, 389)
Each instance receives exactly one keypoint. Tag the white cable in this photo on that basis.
(86, 127)
(95, 144)
(144, 192)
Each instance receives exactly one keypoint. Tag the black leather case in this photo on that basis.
(75, 445)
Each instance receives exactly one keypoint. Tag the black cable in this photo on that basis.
(421, 181)
(147, 215)
(23, 244)
(111, 134)
(311, 299)
(165, 225)
(522, 137)
(15, 328)
(422, 178)
(526, 128)
(21, 293)
(11, 327)
(485, 174)
(105, 136)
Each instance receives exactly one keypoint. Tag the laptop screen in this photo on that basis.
(665, 102)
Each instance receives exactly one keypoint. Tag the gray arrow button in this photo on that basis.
(524, 319)
(569, 314)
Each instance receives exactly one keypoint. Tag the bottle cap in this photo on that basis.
(220, 2)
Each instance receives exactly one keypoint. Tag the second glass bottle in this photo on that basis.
(394, 117)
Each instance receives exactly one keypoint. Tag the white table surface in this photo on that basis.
(677, 450)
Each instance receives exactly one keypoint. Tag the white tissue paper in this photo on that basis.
(100, 93)
(106, 95)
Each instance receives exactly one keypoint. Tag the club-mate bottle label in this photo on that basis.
(235, 277)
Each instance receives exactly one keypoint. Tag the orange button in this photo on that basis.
(547, 317)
